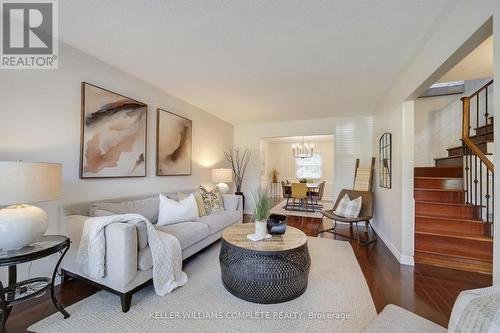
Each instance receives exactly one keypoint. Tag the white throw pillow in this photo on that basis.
(171, 211)
(348, 207)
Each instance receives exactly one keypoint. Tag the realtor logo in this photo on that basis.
(29, 35)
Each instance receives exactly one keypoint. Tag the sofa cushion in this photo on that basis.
(187, 233)
(220, 220)
(146, 207)
(144, 259)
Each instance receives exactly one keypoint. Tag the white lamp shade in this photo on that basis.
(222, 175)
(25, 182)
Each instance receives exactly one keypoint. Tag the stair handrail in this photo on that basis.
(466, 129)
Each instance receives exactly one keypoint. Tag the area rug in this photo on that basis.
(337, 299)
(278, 209)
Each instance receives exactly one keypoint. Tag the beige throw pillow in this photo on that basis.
(212, 200)
(199, 202)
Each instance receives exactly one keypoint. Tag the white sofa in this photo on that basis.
(128, 256)
(474, 311)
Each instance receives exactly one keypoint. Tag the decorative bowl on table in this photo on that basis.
(276, 224)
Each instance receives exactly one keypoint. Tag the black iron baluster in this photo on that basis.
(487, 195)
(477, 113)
(475, 179)
(481, 190)
(466, 173)
(486, 105)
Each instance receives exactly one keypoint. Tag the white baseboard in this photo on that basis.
(402, 259)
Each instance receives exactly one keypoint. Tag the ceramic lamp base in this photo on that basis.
(223, 188)
(21, 225)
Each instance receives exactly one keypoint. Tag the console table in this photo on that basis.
(18, 292)
(269, 271)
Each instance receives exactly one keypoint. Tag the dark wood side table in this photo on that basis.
(18, 292)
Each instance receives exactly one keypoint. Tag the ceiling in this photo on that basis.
(257, 61)
(476, 65)
(298, 139)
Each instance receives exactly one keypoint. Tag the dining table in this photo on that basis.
(312, 188)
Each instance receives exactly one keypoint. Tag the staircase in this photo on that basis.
(454, 199)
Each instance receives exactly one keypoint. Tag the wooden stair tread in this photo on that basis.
(483, 126)
(457, 235)
(448, 157)
(450, 219)
(454, 157)
(427, 177)
(452, 255)
(438, 189)
(445, 203)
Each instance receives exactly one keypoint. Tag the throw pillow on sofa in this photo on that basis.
(348, 207)
(199, 201)
(212, 200)
(171, 211)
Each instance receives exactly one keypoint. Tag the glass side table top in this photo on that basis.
(42, 247)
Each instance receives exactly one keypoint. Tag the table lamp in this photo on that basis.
(222, 177)
(21, 183)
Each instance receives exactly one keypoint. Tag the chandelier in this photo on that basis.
(302, 150)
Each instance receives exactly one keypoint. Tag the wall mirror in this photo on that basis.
(385, 160)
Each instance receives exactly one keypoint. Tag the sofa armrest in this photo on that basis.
(121, 251)
(233, 202)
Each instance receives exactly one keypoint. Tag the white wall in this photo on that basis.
(438, 122)
(40, 121)
(462, 20)
(280, 157)
(394, 205)
(352, 137)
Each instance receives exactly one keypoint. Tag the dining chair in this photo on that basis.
(286, 192)
(299, 191)
(318, 195)
(365, 215)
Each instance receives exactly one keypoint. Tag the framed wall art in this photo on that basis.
(113, 134)
(173, 144)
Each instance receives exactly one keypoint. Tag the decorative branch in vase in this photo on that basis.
(239, 160)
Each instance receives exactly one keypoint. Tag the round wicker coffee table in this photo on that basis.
(270, 271)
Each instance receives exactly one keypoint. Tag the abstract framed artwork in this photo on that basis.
(173, 144)
(113, 135)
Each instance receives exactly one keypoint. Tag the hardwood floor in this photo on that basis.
(426, 290)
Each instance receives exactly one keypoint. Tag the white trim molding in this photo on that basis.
(402, 259)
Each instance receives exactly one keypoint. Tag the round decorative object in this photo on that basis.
(270, 271)
(21, 225)
(276, 224)
(223, 188)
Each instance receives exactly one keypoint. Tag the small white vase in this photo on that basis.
(260, 228)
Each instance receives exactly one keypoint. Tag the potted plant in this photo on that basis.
(262, 209)
(239, 162)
